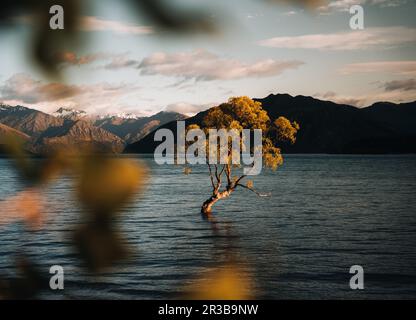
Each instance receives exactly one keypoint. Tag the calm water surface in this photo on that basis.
(325, 214)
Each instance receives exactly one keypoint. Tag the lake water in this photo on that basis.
(325, 214)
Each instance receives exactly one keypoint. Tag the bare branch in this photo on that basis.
(211, 177)
(239, 179)
(228, 173)
(216, 173)
(251, 189)
(222, 170)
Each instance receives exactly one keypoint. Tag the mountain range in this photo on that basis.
(328, 127)
(66, 127)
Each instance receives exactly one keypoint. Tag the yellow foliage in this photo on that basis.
(237, 113)
(192, 127)
(250, 184)
(244, 113)
(187, 170)
(286, 130)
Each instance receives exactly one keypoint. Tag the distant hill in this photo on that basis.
(398, 117)
(133, 129)
(328, 127)
(7, 133)
(30, 121)
(80, 134)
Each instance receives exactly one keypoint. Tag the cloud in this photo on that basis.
(90, 23)
(303, 3)
(112, 61)
(369, 38)
(290, 13)
(120, 62)
(400, 85)
(95, 24)
(342, 99)
(188, 109)
(390, 67)
(340, 5)
(203, 65)
(364, 100)
(23, 89)
(345, 5)
(71, 58)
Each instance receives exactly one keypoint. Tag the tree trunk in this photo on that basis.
(207, 205)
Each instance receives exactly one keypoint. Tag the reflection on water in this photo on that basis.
(326, 213)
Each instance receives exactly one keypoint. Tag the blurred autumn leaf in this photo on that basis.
(26, 206)
(227, 282)
(28, 283)
(100, 245)
(105, 184)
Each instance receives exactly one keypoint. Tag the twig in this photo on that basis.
(251, 189)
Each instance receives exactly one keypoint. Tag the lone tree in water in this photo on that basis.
(243, 113)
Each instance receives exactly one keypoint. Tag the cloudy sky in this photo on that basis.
(128, 65)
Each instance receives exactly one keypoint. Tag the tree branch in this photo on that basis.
(239, 179)
(216, 173)
(211, 177)
(222, 170)
(251, 189)
(228, 173)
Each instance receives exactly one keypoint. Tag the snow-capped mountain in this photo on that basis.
(69, 114)
(71, 126)
(5, 107)
(121, 115)
(131, 128)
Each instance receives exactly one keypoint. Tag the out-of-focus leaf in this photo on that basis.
(27, 286)
(99, 245)
(26, 206)
(228, 282)
(165, 16)
(106, 184)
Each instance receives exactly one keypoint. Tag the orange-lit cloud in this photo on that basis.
(203, 65)
(23, 89)
(27, 90)
(91, 23)
(71, 58)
